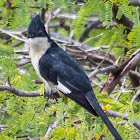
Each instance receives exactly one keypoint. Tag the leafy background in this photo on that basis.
(31, 116)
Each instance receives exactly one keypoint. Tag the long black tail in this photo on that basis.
(94, 103)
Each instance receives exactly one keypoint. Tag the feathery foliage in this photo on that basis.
(32, 116)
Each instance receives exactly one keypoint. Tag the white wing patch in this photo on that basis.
(63, 89)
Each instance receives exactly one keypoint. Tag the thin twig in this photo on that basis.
(122, 89)
(3, 126)
(88, 29)
(56, 12)
(97, 68)
(91, 38)
(53, 126)
(135, 96)
(28, 138)
(124, 116)
(12, 35)
(47, 21)
(36, 112)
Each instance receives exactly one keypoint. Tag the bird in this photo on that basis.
(57, 69)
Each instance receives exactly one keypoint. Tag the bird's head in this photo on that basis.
(37, 35)
(36, 28)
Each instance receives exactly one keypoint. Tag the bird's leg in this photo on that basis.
(50, 89)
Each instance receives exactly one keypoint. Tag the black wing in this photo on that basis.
(56, 65)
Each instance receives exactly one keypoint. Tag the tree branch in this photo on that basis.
(51, 127)
(125, 117)
(114, 79)
(135, 2)
(136, 96)
(54, 95)
(135, 78)
(12, 35)
(88, 29)
(97, 68)
(124, 20)
(88, 54)
(11, 89)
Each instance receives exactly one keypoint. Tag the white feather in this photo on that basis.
(63, 89)
(38, 46)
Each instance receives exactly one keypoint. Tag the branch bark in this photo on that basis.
(124, 20)
(88, 29)
(128, 65)
(135, 78)
(51, 127)
(124, 116)
(11, 89)
(135, 2)
(136, 96)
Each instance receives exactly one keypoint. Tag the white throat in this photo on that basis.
(38, 46)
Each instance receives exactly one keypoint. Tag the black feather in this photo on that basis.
(56, 65)
(61, 66)
(94, 103)
(36, 28)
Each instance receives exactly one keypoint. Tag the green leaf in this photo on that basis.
(136, 17)
(42, 89)
(131, 115)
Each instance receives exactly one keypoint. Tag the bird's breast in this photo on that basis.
(35, 57)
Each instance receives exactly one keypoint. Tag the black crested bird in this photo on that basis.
(56, 68)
